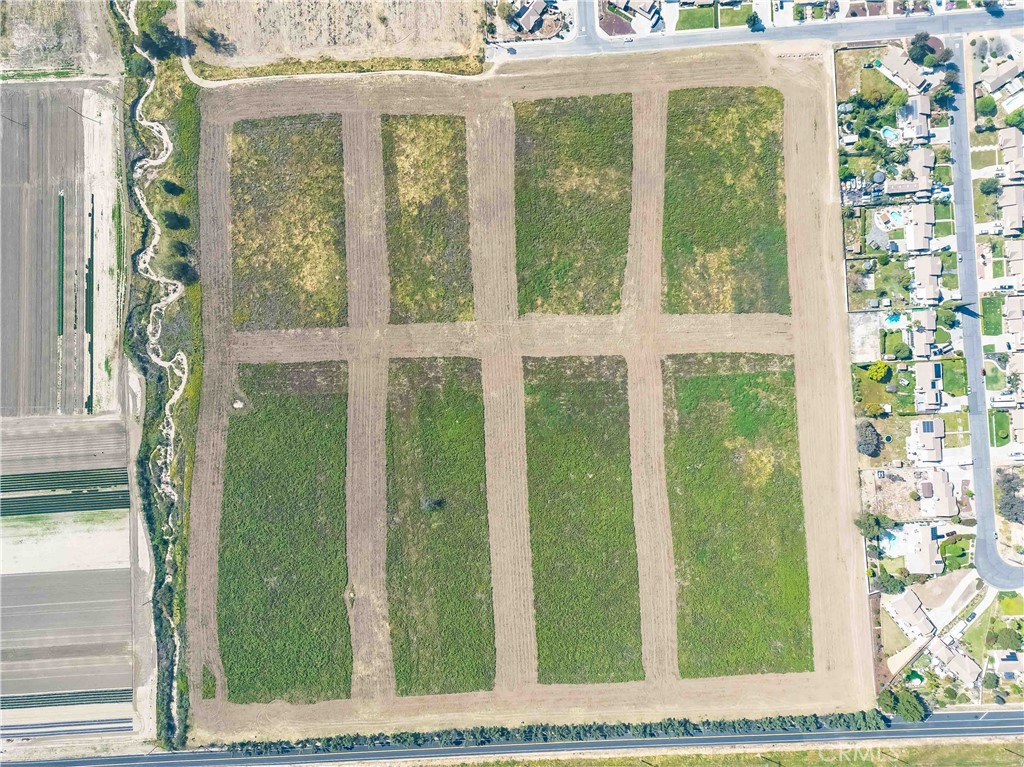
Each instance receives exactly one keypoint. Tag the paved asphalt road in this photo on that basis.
(588, 42)
(982, 725)
(992, 568)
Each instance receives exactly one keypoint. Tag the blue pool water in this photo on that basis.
(896, 216)
(893, 320)
(889, 134)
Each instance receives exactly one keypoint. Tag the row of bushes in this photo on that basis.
(548, 733)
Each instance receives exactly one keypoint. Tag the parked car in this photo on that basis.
(971, 617)
(959, 257)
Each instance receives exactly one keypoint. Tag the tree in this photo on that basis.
(901, 351)
(900, 153)
(942, 95)
(161, 43)
(138, 65)
(869, 442)
(951, 77)
(219, 42)
(910, 706)
(898, 98)
(931, 60)
(181, 249)
(945, 55)
(942, 154)
(873, 525)
(919, 48)
(985, 106)
(874, 410)
(879, 371)
(991, 681)
(1008, 639)
(753, 22)
(989, 186)
(171, 188)
(945, 317)
(887, 701)
(174, 220)
(1016, 118)
(183, 271)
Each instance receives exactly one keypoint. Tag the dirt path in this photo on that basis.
(816, 335)
(492, 243)
(369, 298)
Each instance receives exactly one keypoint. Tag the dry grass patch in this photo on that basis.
(427, 210)
(288, 223)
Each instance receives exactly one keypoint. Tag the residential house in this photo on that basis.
(938, 497)
(914, 119)
(920, 162)
(922, 335)
(999, 75)
(922, 554)
(1011, 145)
(646, 8)
(1017, 426)
(918, 233)
(928, 389)
(927, 270)
(908, 613)
(529, 17)
(1011, 210)
(953, 662)
(1010, 666)
(925, 440)
(1013, 321)
(1013, 250)
(897, 66)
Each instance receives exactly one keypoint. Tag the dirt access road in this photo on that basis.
(816, 335)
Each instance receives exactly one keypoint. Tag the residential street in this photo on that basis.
(589, 42)
(990, 565)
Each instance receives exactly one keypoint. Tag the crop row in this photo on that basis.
(99, 500)
(64, 480)
(78, 698)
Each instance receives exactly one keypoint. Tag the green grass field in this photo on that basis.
(585, 582)
(288, 223)
(427, 207)
(439, 562)
(281, 613)
(734, 491)
(574, 166)
(696, 18)
(992, 314)
(724, 238)
(954, 377)
(734, 16)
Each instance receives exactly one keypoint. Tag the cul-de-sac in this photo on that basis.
(519, 382)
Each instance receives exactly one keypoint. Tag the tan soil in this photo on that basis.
(816, 335)
(264, 31)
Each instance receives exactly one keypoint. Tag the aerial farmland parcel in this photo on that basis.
(586, 591)
(427, 218)
(438, 561)
(282, 616)
(725, 231)
(498, 462)
(574, 160)
(289, 258)
(737, 516)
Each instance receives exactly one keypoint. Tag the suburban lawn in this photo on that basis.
(281, 613)
(724, 239)
(574, 165)
(438, 559)
(696, 18)
(943, 174)
(867, 392)
(954, 377)
(986, 206)
(288, 223)
(586, 587)
(999, 427)
(734, 17)
(983, 159)
(943, 228)
(995, 378)
(427, 210)
(734, 491)
(992, 315)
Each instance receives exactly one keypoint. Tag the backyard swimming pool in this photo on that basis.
(889, 134)
(893, 320)
(896, 216)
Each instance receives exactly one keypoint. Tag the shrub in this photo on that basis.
(138, 65)
(986, 106)
(991, 681)
(869, 441)
(873, 525)
(879, 371)
(989, 186)
(1011, 505)
(174, 220)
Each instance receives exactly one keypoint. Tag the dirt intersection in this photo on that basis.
(815, 334)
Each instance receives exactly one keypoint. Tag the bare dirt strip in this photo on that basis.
(366, 485)
(842, 679)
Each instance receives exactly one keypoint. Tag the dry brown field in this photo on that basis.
(815, 335)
